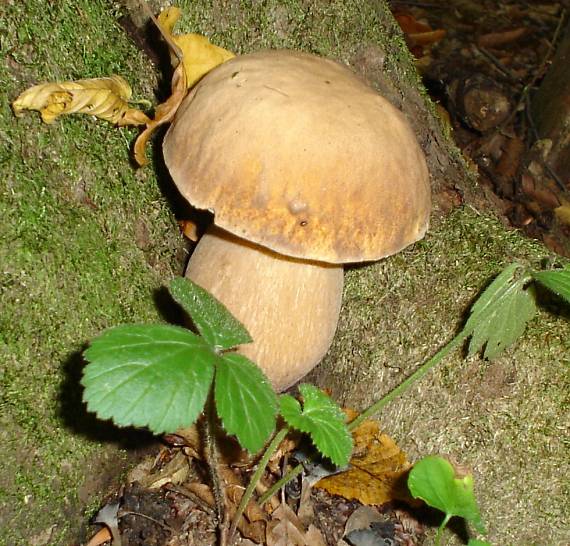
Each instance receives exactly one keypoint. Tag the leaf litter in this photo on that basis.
(167, 499)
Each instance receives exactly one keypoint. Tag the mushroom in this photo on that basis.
(305, 168)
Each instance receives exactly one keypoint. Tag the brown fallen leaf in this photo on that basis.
(498, 39)
(286, 529)
(105, 98)
(377, 469)
(418, 33)
(189, 229)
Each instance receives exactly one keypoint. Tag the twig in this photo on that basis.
(496, 63)
(167, 38)
(159, 523)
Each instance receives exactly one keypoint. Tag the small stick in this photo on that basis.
(171, 44)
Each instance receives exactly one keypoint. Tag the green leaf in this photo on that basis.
(475, 542)
(433, 480)
(156, 376)
(499, 317)
(557, 281)
(322, 419)
(214, 322)
(245, 401)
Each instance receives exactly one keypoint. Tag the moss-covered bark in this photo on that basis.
(87, 241)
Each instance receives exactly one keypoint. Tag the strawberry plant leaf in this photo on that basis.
(557, 281)
(214, 322)
(156, 376)
(245, 401)
(476, 542)
(433, 480)
(499, 317)
(322, 419)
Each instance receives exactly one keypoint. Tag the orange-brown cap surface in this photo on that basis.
(295, 153)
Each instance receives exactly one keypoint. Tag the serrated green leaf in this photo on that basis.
(433, 480)
(245, 401)
(499, 317)
(322, 420)
(214, 322)
(557, 281)
(154, 376)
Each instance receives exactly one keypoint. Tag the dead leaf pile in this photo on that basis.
(376, 476)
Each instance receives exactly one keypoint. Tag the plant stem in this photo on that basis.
(293, 473)
(271, 448)
(437, 540)
(405, 385)
(211, 453)
(377, 406)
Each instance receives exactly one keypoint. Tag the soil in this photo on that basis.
(163, 509)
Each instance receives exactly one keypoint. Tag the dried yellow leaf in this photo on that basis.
(377, 469)
(199, 56)
(163, 113)
(105, 98)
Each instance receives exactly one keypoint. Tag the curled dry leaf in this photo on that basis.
(163, 114)
(198, 57)
(377, 469)
(105, 98)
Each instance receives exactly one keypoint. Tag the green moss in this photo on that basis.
(71, 207)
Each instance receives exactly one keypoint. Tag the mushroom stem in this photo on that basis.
(289, 306)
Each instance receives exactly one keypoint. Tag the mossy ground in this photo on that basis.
(86, 242)
(506, 419)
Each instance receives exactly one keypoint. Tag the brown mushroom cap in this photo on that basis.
(297, 154)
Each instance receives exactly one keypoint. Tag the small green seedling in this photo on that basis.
(433, 479)
(164, 377)
(159, 376)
